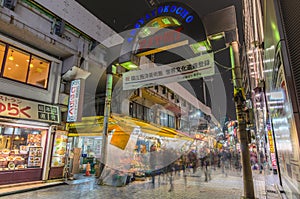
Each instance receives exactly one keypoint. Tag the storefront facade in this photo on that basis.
(25, 144)
(29, 113)
(282, 89)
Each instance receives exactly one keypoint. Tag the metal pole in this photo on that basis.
(240, 99)
(109, 80)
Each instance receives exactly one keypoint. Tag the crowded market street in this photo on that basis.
(188, 186)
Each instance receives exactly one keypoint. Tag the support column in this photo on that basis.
(107, 108)
(239, 98)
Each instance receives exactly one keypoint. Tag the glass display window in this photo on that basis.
(16, 65)
(38, 72)
(2, 52)
(21, 148)
(19, 65)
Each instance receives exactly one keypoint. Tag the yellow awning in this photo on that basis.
(93, 126)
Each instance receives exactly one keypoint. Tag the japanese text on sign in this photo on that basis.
(25, 109)
(197, 67)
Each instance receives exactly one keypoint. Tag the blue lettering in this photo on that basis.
(153, 12)
(147, 17)
(129, 39)
(166, 9)
(141, 21)
(132, 32)
(179, 10)
(184, 13)
(173, 9)
(189, 19)
(160, 10)
(137, 25)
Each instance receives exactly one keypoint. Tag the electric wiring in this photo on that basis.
(223, 66)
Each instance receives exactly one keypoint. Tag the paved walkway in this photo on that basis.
(181, 187)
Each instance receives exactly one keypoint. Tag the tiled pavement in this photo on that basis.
(190, 187)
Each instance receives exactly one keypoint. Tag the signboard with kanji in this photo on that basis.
(24, 109)
(193, 68)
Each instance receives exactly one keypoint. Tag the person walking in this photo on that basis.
(153, 161)
(207, 167)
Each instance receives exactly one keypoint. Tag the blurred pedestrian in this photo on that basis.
(153, 161)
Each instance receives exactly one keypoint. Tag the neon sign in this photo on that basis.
(173, 10)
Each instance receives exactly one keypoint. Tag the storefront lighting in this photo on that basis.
(11, 58)
(199, 47)
(217, 36)
(129, 65)
(165, 21)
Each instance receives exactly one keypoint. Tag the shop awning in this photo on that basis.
(93, 126)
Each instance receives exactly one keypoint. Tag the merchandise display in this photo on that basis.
(20, 148)
(12, 159)
(35, 157)
(59, 149)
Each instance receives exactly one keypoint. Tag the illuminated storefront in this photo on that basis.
(29, 115)
(25, 128)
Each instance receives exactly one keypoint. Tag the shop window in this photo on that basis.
(2, 51)
(21, 148)
(163, 119)
(171, 121)
(38, 72)
(16, 65)
(24, 67)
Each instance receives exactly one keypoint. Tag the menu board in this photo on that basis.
(59, 149)
(35, 157)
(34, 139)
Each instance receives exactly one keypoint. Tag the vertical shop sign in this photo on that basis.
(75, 101)
(272, 149)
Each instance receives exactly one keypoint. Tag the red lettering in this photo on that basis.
(23, 111)
(142, 44)
(158, 39)
(13, 109)
(2, 107)
(150, 42)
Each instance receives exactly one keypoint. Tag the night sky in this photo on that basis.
(121, 15)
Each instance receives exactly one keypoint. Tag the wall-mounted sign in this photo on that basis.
(272, 149)
(24, 109)
(196, 67)
(75, 101)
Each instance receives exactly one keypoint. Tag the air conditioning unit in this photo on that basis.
(10, 4)
(59, 27)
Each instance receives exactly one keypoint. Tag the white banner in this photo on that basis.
(193, 68)
(73, 108)
(24, 109)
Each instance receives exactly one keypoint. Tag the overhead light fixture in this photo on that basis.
(199, 47)
(129, 61)
(31, 65)
(129, 65)
(11, 58)
(216, 36)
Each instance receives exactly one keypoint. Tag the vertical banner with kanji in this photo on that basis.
(272, 149)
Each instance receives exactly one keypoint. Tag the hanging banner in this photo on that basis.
(272, 149)
(193, 68)
(76, 100)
